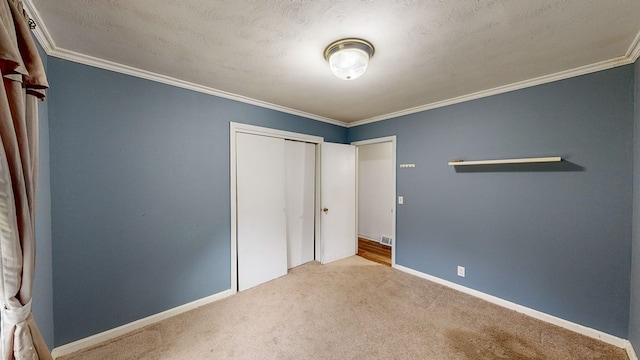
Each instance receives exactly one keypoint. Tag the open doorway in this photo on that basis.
(376, 184)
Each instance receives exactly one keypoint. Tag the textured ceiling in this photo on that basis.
(272, 51)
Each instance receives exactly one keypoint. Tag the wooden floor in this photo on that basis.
(374, 251)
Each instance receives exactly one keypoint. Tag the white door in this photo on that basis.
(338, 202)
(300, 188)
(261, 217)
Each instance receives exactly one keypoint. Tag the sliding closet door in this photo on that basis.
(261, 216)
(300, 194)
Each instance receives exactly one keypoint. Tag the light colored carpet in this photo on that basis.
(351, 309)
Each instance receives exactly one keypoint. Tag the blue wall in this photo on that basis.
(140, 192)
(555, 238)
(634, 322)
(140, 196)
(42, 304)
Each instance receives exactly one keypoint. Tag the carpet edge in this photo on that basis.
(539, 315)
(92, 340)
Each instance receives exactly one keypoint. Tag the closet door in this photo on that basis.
(300, 193)
(261, 215)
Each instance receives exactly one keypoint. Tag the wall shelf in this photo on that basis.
(506, 161)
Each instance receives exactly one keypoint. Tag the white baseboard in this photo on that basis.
(630, 352)
(369, 238)
(121, 330)
(580, 329)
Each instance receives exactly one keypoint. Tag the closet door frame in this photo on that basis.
(235, 128)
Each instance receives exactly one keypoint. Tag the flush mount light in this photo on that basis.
(349, 58)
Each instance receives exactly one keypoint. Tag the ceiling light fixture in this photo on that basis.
(349, 58)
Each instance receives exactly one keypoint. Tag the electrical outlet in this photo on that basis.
(461, 271)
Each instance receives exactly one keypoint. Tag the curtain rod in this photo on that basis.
(20, 5)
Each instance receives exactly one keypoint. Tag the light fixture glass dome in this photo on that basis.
(349, 58)
(349, 64)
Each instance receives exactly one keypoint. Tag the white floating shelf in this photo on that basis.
(506, 161)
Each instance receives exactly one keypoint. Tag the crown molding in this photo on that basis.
(583, 70)
(49, 46)
(634, 50)
(148, 75)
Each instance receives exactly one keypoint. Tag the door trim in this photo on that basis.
(393, 140)
(235, 128)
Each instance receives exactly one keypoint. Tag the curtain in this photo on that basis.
(24, 81)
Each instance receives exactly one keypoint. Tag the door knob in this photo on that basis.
(325, 210)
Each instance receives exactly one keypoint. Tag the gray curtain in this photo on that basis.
(24, 81)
